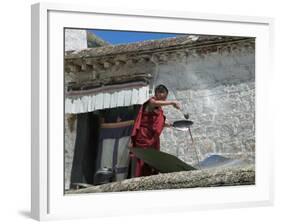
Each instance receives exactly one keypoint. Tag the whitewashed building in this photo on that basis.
(212, 76)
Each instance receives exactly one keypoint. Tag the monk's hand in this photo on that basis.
(130, 144)
(168, 124)
(176, 105)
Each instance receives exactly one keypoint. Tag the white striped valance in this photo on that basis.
(104, 100)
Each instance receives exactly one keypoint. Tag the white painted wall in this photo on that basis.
(75, 39)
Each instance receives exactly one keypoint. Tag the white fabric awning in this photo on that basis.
(91, 101)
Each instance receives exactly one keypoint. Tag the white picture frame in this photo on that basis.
(48, 200)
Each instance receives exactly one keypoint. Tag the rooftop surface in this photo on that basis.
(151, 45)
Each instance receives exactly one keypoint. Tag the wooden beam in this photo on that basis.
(107, 64)
(119, 62)
(74, 68)
(163, 57)
(86, 67)
(130, 61)
(77, 61)
(154, 58)
(89, 61)
(181, 54)
(97, 66)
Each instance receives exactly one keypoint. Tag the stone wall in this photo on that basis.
(217, 89)
(70, 136)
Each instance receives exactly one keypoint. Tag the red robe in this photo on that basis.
(146, 134)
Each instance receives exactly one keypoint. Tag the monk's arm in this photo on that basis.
(165, 103)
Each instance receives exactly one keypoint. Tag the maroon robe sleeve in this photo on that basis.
(148, 127)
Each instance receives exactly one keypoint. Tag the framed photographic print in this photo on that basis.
(164, 111)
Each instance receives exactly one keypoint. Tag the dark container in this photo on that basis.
(103, 176)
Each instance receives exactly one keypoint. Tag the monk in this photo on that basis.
(148, 126)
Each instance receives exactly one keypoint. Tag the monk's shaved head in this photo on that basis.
(161, 89)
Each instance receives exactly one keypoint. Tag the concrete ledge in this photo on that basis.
(186, 179)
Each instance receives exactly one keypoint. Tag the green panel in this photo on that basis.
(161, 161)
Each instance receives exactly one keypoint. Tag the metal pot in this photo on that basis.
(103, 176)
(182, 125)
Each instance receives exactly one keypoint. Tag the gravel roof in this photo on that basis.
(151, 45)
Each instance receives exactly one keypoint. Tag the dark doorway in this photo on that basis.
(86, 150)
